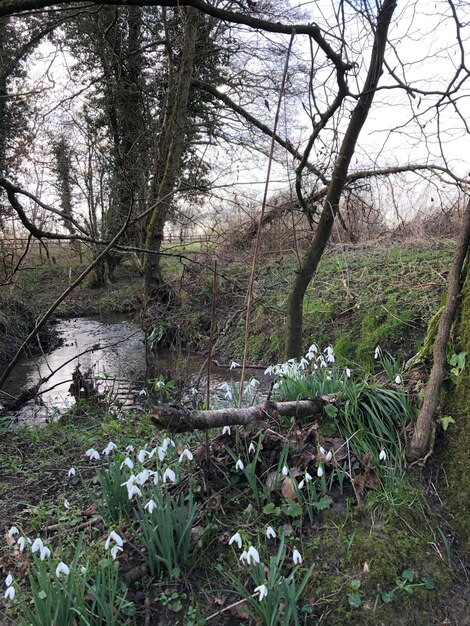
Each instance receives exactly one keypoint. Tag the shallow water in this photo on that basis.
(113, 349)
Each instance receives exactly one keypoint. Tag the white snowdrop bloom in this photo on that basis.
(270, 533)
(254, 382)
(44, 553)
(186, 453)
(66, 504)
(161, 454)
(141, 456)
(133, 491)
(383, 455)
(244, 557)
(113, 536)
(239, 465)
(156, 478)
(129, 449)
(234, 365)
(109, 448)
(269, 370)
(169, 475)
(92, 454)
(167, 442)
(262, 590)
(160, 384)
(348, 372)
(128, 463)
(313, 348)
(62, 568)
(129, 482)
(226, 430)
(150, 506)
(323, 362)
(329, 456)
(83, 570)
(228, 395)
(253, 554)
(330, 357)
(13, 531)
(142, 477)
(251, 448)
(320, 471)
(21, 543)
(398, 379)
(37, 545)
(143, 393)
(115, 551)
(307, 476)
(377, 352)
(322, 450)
(193, 391)
(72, 471)
(235, 539)
(302, 484)
(285, 471)
(10, 593)
(296, 557)
(9, 580)
(303, 363)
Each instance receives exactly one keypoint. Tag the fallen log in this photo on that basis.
(181, 419)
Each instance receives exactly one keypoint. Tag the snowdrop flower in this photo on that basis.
(83, 570)
(239, 465)
(270, 532)
(66, 504)
(237, 539)
(150, 506)
(319, 471)
(226, 430)
(253, 554)
(252, 448)
(303, 363)
(296, 557)
(302, 484)
(234, 364)
(9, 580)
(169, 475)
(186, 453)
(37, 545)
(13, 531)
(382, 455)
(133, 491)
(398, 379)
(313, 348)
(21, 543)
(129, 482)
(348, 372)
(228, 395)
(141, 456)
(323, 362)
(269, 370)
(129, 449)
(113, 536)
(72, 471)
(161, 454)
(262, 590)
(62, 568)
(329, 354)
(44, 553)
(159, 384)
(193, 391)
(115, 551)
(167, 442)
(307, 476)
(329, 456)
(244, 557)
(91, 453)
(377, 352)
(142, 477)
(254, 382)
(322, 451)
(285, 471)
(128, 462)
(109, 448)
(143, 393)
(10, 593)
(156, 478)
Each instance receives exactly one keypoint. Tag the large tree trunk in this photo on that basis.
(171, 145)
(293, 347)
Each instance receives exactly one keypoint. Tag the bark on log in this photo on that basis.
(181, 419)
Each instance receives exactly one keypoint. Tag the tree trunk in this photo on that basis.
(420, 443)
(171, 145)
(293, 346)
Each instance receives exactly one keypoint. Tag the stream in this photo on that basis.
(113, 349)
